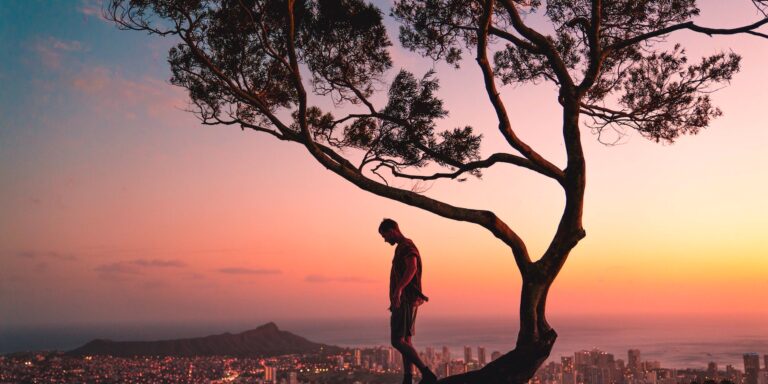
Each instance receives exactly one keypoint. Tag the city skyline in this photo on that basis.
(119, 207)
(582, 367)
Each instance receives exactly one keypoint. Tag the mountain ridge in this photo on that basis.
(265, 341)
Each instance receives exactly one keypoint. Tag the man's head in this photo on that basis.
(390, 231)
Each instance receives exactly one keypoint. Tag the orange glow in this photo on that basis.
(124, 208)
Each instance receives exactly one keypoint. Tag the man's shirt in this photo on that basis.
(412, 292)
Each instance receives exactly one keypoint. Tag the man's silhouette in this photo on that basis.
(405, 297)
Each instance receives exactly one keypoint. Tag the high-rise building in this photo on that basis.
(712, 370)
(481, 356)
(569, 370)
(650, 365)
(446, 354)
(431, 354)
(467, 354)
(751, 368)
(633, 360)
(456, 367)
(582, 358)
(270, 374)
(650, 377)
(293, 378)
(357, 358)
(765, 357)
(733, 374)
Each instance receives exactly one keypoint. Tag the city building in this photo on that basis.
(568, 370)
(481, 356)
(633, 360)
(712, 370)
(751, 368)
(467, 354)
(446, 354)
(270, 374)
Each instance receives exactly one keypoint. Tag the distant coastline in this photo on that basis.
(678, 343)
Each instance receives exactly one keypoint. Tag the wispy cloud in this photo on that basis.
(159, 263)
(108, 89)
(250, 271)
(337, 279)
(49, 255)
(155, 284)
(51, 50)
(120, 268)
(137, 266)
(91, 8)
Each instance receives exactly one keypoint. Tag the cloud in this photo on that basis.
(137, 266)
(154, 284)
(52, 50)
(120, 268)
(41, 267)
(249, 271)
(338, 279)
(50, 255)
(107, 89)
(91, 8)
(159, 263)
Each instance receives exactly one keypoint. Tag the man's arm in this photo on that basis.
(410, 272)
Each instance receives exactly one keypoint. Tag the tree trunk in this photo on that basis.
(534, 343)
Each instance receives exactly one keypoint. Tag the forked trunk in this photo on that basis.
(534, 344)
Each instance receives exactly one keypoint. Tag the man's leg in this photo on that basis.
(407, 366)
(403, 343)
(398, 327)
(411, 357)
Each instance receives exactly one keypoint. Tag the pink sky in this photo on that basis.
(121, 207)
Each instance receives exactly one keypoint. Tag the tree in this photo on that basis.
(244, 63)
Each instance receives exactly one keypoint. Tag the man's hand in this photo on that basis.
(410, 272)
(396, 298)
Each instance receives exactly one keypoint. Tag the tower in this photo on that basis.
(633, 360)
(751, 368)
(467, 354)
(569, 370)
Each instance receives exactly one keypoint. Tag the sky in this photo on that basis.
(117, 206)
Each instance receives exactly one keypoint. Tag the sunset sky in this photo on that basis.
(116, 205)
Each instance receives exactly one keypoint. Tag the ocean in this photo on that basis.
(676, 342)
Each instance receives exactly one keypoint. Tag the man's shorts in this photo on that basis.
(403, 320)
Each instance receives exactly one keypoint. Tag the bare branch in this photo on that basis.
(472, 166)
(592, 29)
(513, 39)
(505, 126)
(749, 29)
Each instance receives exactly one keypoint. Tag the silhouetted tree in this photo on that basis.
(254, 63)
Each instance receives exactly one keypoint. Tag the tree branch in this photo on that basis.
(693, 27)
(471, 166)
(486, 219)
(527, 45)
(505, 126)
(539, 40)
(592, 29)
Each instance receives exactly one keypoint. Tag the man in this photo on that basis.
(405, 297)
